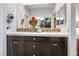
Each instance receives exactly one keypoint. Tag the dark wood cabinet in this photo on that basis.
(36, 46)
(16, 46)
(77, 46)
(60, 46)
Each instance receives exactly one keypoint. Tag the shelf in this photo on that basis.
(48, 34)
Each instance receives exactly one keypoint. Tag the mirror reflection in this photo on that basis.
(43, 13)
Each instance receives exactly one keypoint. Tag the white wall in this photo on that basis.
(3, 30)
(10, 8)
(5, 10)
(0, 29)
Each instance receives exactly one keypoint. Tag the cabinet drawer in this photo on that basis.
(57, 39)
(37, 39)
(13, 38)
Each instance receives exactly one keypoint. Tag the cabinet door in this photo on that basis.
(16, 47)
(34, 46)
(34, 49)
(42, 49)
(29, 48)
(60, 49)
(59, 46)
(48, 49)
(38, 48)
(77, 47)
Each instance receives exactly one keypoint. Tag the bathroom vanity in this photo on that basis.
(37, 34)
(53, 34)
(36, 44)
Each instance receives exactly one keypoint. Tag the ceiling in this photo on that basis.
(37, 6)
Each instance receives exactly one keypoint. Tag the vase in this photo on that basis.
(33, 27)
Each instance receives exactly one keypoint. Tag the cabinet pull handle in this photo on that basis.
(15, 42)
(34, 46)
(55, 44)
(33, 38)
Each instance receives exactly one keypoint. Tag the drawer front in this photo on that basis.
(57, 40)
(13, 38)
(37, 39)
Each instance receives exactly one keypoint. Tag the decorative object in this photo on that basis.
(36, 30)
(55, 29)
(50, 30)
(45, 22)
(26, 30)
(9, 20)
(22, 23)
(54, 22)
(33, 22)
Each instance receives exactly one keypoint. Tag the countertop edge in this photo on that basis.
(48, 34)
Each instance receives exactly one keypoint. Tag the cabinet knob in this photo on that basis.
(55, 44)
(33, 38)
(15, 42)
(34, 46)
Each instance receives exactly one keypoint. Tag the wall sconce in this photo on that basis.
(9, 20)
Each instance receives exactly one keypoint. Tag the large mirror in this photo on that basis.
(39, 15)
(42, 12)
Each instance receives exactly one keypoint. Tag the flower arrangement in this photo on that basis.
(33, 22)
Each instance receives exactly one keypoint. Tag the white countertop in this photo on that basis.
(48, 34)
